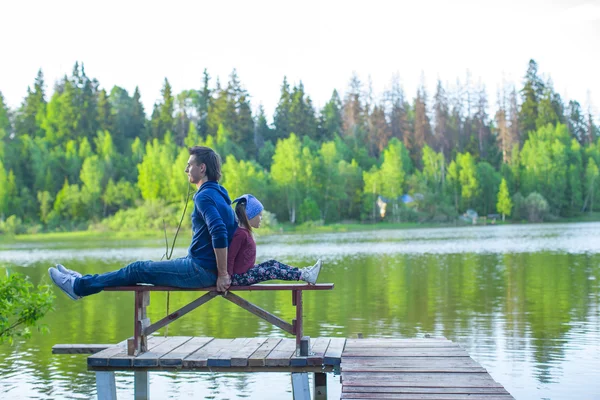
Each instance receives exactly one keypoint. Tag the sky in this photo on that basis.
(321, 43)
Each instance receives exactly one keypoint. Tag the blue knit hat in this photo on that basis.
(253, 206)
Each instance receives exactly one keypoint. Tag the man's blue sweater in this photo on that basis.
(213, 223)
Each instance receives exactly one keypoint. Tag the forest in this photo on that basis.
(88, 158)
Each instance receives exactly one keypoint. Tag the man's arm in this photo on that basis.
(223, 279)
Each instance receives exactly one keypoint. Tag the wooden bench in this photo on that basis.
(142, 326)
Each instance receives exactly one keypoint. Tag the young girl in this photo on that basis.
(241, 254)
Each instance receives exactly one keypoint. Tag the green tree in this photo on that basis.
(330, 119)
(489, 180)
(22, 306)
(591, 183)
(467, 177)
(281, 117)
(504, 205)
(532, 92)
(286, 172)
(162, 120)
(393, 174)
(32, 112)
(302, 119)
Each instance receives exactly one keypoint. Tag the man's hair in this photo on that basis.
(210, 158)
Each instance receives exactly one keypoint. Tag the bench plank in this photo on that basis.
(257, 287)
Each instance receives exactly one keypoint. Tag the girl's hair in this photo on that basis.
(240, 211)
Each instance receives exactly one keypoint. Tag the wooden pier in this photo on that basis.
(404, 369)
(414, 369)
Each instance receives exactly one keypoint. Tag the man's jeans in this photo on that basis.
(182, 272)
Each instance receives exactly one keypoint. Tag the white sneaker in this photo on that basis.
(311, 274)
(65, 270)
(64, 282)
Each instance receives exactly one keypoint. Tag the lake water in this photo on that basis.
(524, 301)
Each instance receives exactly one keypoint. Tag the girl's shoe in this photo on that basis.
(311, 274)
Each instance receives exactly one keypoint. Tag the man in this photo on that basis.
(213, 226)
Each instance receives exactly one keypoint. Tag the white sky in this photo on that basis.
(129, 43)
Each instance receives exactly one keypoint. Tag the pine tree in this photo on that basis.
(504, 205)
(204, 97)
(442, 135)
(281, 118)
(379, 131)
(29, 117)
(330, 120)
(302, 119)
(104, 113)
(162, 116)
(397, 105)
(422, 132)
(353, 112)
(138, 117)
(532, 92)
(576, 121)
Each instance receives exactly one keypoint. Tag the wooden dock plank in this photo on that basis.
(420, 352)
(175, 358)
(117, 356)
(396, 396)
(223, 357)
(414, 369)
(281, 354)
(424, 390)
(200, 357)
(258, 358)
(151, 357)
(429, 379)
(315, 353)
(240, 357)
(79, 348)
(409, 362)
(333, 355)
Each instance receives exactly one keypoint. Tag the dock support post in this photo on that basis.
(320, 386)
(141, 385)
(105, 385)
(300, 388)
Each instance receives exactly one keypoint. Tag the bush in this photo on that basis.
(536, 206)
(519, 211)
(22, 306)
(12, 226)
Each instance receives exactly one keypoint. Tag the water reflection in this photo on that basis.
(531, 317)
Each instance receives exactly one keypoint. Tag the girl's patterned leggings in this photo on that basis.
(268, 270)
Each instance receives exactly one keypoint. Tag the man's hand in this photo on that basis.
(223, 282)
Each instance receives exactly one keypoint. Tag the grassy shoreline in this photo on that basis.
(283, 228)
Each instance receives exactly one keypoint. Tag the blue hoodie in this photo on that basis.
(213, 223)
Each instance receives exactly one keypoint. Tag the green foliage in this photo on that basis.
(21, 307)
(504, 205)
(88, 153)
(536, 206)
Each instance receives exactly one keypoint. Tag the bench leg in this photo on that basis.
(297, 323)
(105, 385)
(320, 386)
(141, 385)
(300, 387)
